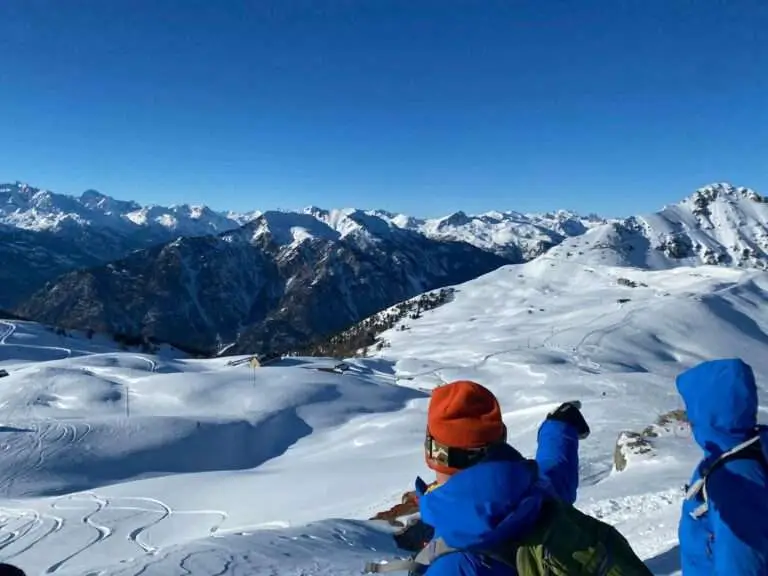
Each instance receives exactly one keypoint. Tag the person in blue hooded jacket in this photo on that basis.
(486, 492)
(723, 529)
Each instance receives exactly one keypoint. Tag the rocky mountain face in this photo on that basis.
(29, 259)
(254, 287)
(719, 224)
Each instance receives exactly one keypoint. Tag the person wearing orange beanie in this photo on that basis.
(486, 492)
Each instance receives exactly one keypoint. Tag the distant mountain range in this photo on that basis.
(275, 280)
(61, 233)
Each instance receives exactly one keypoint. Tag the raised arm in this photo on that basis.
(558, 451)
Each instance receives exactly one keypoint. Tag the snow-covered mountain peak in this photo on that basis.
(719, 224)
(372, 223)
(338, 219)
(293, 228)
(286, 228)
(17, 192)
(458, 218)
(95, 200)
(316, 211)
(511, 234)
(723, 191)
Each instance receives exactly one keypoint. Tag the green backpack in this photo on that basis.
(564, 542)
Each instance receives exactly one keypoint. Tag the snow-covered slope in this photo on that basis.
(113, 457)
(719, 224)
(124, 463)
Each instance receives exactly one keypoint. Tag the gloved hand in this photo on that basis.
(570, 413)
(414, 536)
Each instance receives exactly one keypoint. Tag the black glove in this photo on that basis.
(414, 536)
(570, 413)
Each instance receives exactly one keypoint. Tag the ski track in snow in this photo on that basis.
(9, 329)
(69, 512)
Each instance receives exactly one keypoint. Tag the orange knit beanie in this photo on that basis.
(465, 415)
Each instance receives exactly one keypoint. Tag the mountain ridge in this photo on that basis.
(32, 208)
(285, 279)
(97, 229)
(27, 207)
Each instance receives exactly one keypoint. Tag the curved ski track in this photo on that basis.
(34, 527)
(10, 329)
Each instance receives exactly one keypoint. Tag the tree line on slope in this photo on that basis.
(363, 336)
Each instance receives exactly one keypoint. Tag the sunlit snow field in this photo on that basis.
(123, 463)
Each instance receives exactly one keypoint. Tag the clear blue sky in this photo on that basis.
(420, 106)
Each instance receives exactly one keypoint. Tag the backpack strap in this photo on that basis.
(748, 449)
(416, 565)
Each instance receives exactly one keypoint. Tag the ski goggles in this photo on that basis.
(458, 458)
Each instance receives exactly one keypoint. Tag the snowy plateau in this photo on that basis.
(120, 463)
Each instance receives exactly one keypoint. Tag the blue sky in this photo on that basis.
(418, 106)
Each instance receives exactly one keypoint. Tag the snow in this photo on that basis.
(501, 232)
(290, 229)
(119, 462)
(27, 207)
(112, 456)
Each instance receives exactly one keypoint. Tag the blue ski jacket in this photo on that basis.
(499, 499)
(731, 538)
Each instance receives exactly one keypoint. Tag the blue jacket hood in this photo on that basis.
(721, 402)
(491, 502)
